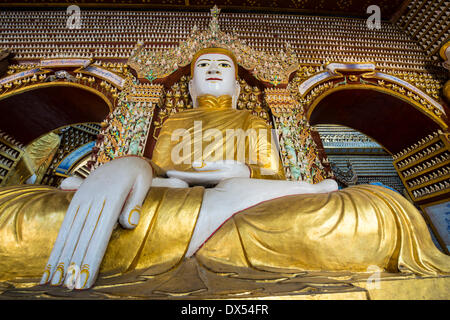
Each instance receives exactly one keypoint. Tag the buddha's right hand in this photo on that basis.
(113, 192)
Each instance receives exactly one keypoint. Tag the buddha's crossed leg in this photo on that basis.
(236, 194)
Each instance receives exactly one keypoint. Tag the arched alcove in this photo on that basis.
(391, 121)
(26, 115)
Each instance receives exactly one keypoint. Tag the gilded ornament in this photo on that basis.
(159, 64)
(446, 91)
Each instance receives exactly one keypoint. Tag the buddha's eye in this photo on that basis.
(202, 64)
(225, 65)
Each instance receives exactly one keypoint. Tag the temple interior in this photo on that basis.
(380, 116)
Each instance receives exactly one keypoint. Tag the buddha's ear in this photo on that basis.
(235, 97)
(193, 93)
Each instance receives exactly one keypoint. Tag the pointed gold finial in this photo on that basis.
(214, 24)
(215, 11)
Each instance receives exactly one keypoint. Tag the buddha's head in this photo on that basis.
(214, 72)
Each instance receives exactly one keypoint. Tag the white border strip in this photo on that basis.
(107, 75)
(410, 87)
(65, 62)
(20, 75)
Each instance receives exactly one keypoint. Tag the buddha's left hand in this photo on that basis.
(211, 173)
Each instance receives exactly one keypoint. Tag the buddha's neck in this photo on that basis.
(209, 101)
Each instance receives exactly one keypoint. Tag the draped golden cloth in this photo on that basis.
(346, 230)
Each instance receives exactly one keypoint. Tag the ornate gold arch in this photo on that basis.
(38, 86)
(425, 111)
(309, 91)
(106, 80)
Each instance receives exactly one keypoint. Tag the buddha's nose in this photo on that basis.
(213, 70)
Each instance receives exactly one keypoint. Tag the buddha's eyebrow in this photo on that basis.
(214, 60)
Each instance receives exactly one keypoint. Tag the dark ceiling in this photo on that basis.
(329, 7)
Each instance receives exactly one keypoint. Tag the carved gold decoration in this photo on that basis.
(125, 131)
(422, 81)
(298, 150)
(370, 80)
(446, 91)
(271, 68)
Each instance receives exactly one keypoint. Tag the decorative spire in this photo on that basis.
(214, 23)
(267, 67)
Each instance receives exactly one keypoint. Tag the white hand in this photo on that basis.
(169, 182)
(115, 189)
(211, 173)
(71, 183)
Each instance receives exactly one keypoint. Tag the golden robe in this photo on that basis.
(215, 132)
(350, 230)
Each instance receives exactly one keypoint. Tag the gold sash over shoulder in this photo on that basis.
(344, 230)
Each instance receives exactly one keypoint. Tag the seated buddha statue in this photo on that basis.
(215, 191)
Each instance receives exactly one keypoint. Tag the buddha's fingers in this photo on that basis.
(208, 166)
(216, 171)
(89, 260)
(169, 183)
(71, 183)
(57, 277)
(131, 211)
(92, 223)
(90, 263)
(75, 209)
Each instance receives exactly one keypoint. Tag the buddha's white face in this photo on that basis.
(214, 74)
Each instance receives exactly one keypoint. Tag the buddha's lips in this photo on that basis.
(214, 79)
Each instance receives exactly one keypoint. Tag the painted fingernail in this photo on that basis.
(84, 276)
(57, 277)
(44, 278)
(134, 216)
(46, 275)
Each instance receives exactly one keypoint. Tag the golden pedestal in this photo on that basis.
(191, 281)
